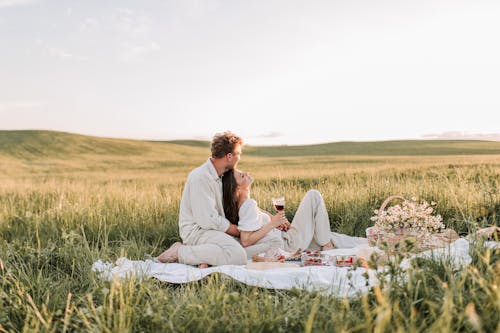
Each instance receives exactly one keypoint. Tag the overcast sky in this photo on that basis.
(275, 72)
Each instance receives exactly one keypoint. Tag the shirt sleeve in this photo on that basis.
(204, 206)
(264, 217)
(249, 216)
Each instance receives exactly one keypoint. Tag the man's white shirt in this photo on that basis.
(201, 202)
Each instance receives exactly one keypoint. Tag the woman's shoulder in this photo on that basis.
(248, 204)
(249, 216)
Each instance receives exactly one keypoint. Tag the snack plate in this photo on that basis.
(345, 261)
(316, 258)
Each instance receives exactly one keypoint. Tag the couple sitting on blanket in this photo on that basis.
(220, 224)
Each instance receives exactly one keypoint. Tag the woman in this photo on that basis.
(260, 230)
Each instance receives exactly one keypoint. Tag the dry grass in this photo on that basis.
(58, 214)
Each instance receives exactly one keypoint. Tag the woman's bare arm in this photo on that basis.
(248, 238)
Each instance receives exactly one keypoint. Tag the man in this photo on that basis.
(206, 234)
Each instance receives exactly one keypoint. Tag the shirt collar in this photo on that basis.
(211, 170)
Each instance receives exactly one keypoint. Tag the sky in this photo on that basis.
(274, 72)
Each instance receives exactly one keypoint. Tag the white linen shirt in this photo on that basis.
(250, 216)
(201, 203)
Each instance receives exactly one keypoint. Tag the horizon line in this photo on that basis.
(447, 136)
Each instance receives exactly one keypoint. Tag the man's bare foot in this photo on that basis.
(328, 246)
(171, 254)
(203, 266)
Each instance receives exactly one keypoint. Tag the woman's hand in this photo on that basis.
(285, 226)
(279, 221)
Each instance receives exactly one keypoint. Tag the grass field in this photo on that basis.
(67, 200)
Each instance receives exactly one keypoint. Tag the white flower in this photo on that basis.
(409, 215)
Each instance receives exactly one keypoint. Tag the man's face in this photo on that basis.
(233, 158)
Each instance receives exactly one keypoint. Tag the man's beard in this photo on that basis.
(230, 167)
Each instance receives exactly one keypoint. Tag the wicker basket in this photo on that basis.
(378, 237)
(407, 239)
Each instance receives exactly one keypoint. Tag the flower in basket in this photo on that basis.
(410, 216)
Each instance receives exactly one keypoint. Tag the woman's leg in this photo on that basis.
(310, 227)
(265, 243)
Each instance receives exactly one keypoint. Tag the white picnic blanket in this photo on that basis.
(337, 281)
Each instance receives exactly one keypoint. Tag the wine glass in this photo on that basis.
(279, 203)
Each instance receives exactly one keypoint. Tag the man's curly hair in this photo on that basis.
(224, 143)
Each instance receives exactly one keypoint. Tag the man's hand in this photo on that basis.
(233, 230)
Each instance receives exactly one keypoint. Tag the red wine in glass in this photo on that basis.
(279, 203)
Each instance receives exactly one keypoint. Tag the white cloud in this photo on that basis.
(14, 3)
(89, 23)
(194, 9)
(131, 23)
(457, 135)
(58, 52)
(134, 51)
(65, 54)
(270, 135)
(20, 105)
(134, 29)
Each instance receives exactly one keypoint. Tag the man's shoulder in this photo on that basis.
(200, 172)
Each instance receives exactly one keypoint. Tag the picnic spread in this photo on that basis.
(332, 272)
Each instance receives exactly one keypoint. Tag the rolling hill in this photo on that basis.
(36, 144)
(29, 144)
(384, 148)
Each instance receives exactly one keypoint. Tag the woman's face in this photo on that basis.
(243, 179)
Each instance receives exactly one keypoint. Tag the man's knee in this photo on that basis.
(236, 256)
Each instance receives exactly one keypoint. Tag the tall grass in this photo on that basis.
(55, 223)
